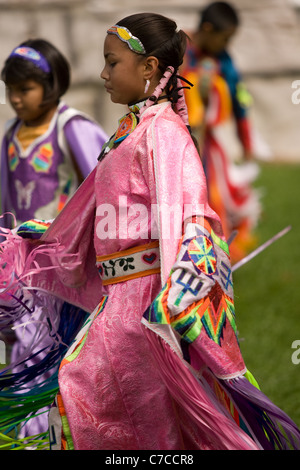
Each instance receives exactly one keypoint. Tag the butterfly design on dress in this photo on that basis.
(24, 193)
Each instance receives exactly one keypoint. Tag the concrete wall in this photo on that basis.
(266, 49)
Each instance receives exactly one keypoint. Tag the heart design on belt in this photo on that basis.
(149, 258)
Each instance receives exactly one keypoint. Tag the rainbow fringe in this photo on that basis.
(20, 401)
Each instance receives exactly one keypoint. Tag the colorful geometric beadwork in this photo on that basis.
(125, 35)
(208, 315)
(126, 125)
(202, 255)
(226, 277)
(214, 310)
(188, 325)
(33, 228)
(213, 319)
(201, 302)
(42, 159)
(13, 159)
(187, 286)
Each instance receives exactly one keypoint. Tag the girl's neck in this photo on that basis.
(44, 118)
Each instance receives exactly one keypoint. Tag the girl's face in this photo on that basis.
(123, 72)
(26, 98)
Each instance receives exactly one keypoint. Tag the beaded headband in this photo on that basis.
(34, 56)
(125, 35)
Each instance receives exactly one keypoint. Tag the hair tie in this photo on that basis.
(181, 106)
(33, 56)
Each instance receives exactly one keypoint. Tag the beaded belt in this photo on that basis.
(129, 264)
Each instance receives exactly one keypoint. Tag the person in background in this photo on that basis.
(47, 151)
(48, 148)
(219, 96)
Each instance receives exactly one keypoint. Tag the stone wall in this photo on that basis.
(266, 49)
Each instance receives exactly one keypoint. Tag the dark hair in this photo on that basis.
(55, 84)
(221, 15)
(159, 37)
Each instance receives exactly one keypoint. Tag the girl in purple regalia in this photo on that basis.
(47, 150)
(157, 364)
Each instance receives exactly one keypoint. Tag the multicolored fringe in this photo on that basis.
(191, 328)
(195, 396)
(20, 401)
(37, 442)
(248, 421)
(29, 384)
(273, 428)
(33, 228)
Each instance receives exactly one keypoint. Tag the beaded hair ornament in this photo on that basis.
(33, 56)
(125, 35)
(129, 122)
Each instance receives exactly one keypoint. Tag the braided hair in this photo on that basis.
(160, 38)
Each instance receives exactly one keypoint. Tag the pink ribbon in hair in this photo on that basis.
(180, 106)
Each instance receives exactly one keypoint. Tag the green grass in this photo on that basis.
(267, 292)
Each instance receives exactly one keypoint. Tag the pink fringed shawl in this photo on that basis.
(74, 277)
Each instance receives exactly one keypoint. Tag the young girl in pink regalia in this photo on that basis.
(157, 365)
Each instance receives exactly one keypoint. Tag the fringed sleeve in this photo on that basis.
(192, 330)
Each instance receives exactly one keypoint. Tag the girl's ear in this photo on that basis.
(150, 67)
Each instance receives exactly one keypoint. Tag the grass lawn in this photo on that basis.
(267, 292)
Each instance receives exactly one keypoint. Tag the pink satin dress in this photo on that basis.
(113, 394)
